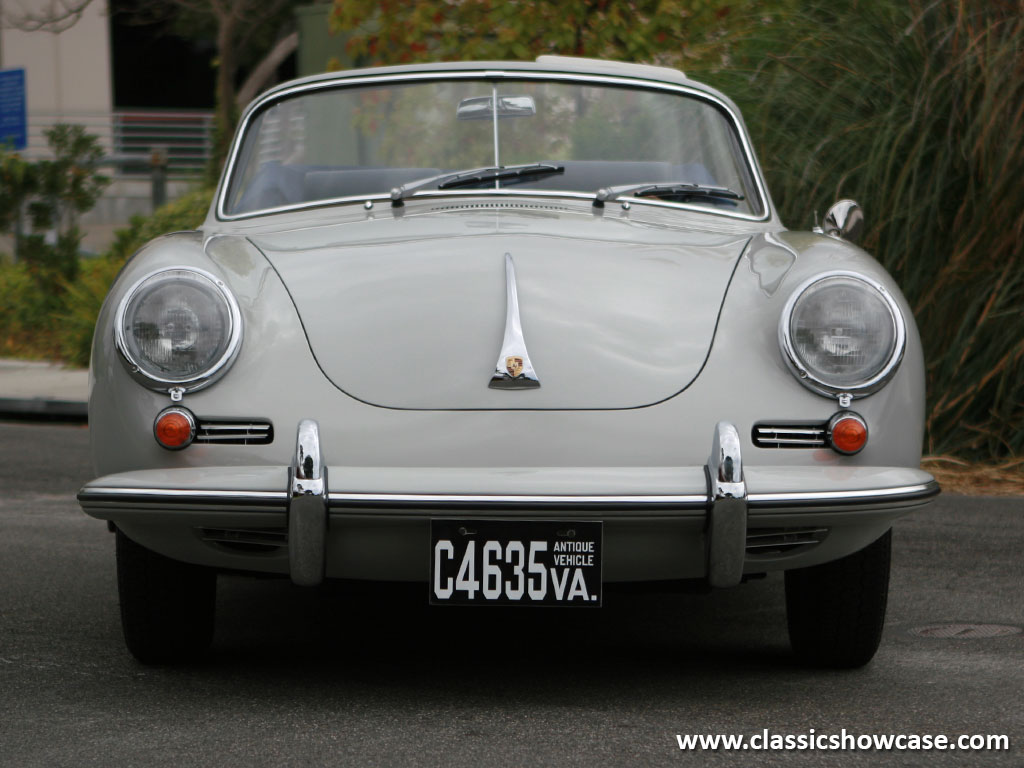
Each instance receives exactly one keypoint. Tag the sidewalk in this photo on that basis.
(40, 390)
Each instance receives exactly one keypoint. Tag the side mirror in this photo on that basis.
(844, 219)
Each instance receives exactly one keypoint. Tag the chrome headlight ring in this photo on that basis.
(145, 371)
(821, 383)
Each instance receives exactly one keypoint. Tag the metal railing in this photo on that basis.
(181, 142)
(184, 138)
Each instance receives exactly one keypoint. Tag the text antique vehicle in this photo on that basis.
(515, 331)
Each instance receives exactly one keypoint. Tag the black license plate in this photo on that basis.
(515, 562)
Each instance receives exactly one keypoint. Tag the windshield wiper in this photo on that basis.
(455, 179)
(682, 189)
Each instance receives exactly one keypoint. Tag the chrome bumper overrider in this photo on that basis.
(727, 508)
(307, 508)
(722, 498)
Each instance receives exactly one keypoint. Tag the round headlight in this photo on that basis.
(178, 327)
(842, 333)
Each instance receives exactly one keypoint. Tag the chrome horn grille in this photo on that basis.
(782, 541)
(792, 435)
(234, 432)
(246, 539)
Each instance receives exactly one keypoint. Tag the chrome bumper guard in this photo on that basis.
(727, 508)
(307, 508)
(723, 505)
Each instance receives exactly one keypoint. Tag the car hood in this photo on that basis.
(410, 311)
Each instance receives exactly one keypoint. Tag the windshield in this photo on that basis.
(363, 141)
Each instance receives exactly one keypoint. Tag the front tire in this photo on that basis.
(167, 607)
(836, 610)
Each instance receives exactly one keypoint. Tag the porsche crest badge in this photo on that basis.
(514, 365)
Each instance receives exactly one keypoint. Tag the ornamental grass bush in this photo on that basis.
(916, 110)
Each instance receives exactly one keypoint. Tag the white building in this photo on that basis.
(68, 79)
(67, 74)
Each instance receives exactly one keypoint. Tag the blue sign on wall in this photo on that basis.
(13, 123)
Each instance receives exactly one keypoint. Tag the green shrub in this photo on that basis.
(44, 314)
(187, 212)
(913, 109)
(26, 314)
(83, 300)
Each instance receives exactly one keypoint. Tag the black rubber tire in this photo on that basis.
(836, 610)
(167, 607)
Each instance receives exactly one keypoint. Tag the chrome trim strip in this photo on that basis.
(513, 369)
(270, 538)
(789, 498)
(768, 442)
(782, 546)
(810, 431)
(727, 508)
(102, 494)
(220, 426)
(777, 532)
(195, 383)
(494, 122)
(339, 499)
(503, 192)
(307, 508)
(819, 385)
(233, 438)
(480, 74)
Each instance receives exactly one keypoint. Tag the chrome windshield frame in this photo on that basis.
(276, 95)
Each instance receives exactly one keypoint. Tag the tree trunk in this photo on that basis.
(225, 112)
(262, 71)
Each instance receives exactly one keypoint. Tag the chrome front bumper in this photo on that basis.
(714, 504)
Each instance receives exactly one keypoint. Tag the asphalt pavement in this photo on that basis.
(351, 676)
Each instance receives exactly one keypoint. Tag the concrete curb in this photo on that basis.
(40, 390)
(43, 409)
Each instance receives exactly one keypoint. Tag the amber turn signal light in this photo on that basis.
(847, 433)
(175, 428)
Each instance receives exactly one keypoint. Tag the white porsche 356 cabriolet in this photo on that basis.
(515, 331)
